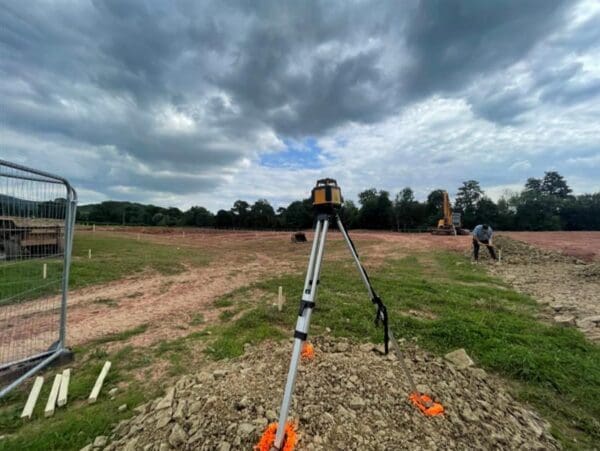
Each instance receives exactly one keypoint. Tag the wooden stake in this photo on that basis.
(33, 396)
(51, 404)
(45, 271)
(89, 254)
(93, 227)
(64, 388)
(98, 385)
(280, 299)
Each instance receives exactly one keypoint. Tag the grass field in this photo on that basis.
(436, 298)
(113, 257)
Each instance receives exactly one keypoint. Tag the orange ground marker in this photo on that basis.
(308, 351)
(426, 404)
(267, 440)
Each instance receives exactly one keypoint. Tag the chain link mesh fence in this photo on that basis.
(37, 217)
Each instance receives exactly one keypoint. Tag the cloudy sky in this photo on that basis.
(201, 103)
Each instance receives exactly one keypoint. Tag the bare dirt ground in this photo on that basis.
(555, 275)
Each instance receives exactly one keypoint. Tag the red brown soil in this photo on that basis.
(582, 245)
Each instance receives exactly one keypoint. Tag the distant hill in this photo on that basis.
(15, 206)
(131, 213)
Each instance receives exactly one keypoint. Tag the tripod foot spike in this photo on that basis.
(267, 441)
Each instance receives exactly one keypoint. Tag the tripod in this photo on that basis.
(307, 304)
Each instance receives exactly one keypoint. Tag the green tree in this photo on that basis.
(405, 208)
(198, 217)
(533, 186)
(506, 215)
(349, 214)
(467, 200)
(376, 211)
(486, 212)
(262, 215)
(240, 212)
(435, 207)
(299, 214)
(224, 219)
(554, 184)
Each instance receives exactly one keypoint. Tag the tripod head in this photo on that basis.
(326, 196)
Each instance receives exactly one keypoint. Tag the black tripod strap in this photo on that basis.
(381, 317)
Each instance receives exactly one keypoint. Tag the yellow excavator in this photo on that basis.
(451, 223)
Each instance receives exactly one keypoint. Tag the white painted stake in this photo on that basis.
(51, 404)
(45, 270)
(93, 227)
(89, 254)
(33, 396)
(280, 299)
(64, 388)
(98, 385)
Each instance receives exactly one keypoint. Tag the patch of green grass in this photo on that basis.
(254, 326)
(113, 257)
(223, 302)
(120, 336)
(78, 423)
(106, 301)
(226, 315)
(197, 319)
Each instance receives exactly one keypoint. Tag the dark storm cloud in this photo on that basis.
(197, 87)
(453, 41)
(503, 107)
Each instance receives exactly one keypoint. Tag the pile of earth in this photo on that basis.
(348, 397)
(518, 252)
(590, 272)
(566, 285)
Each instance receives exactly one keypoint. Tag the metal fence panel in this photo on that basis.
(37, 218)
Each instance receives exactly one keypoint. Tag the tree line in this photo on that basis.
(543, 204)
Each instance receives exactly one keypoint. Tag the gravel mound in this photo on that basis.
(518, 252)
(347, 398)
(590, 272)
(567, 285)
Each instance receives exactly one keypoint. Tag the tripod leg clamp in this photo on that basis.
(304, 305)
(301, 335)
(381, 318)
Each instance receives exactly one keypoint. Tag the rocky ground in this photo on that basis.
(347, 398)
(568, 286)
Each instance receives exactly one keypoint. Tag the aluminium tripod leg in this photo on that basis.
(306, 306)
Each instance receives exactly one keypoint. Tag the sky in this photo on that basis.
(182, 103)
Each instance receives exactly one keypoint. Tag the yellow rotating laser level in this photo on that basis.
(327, 194)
